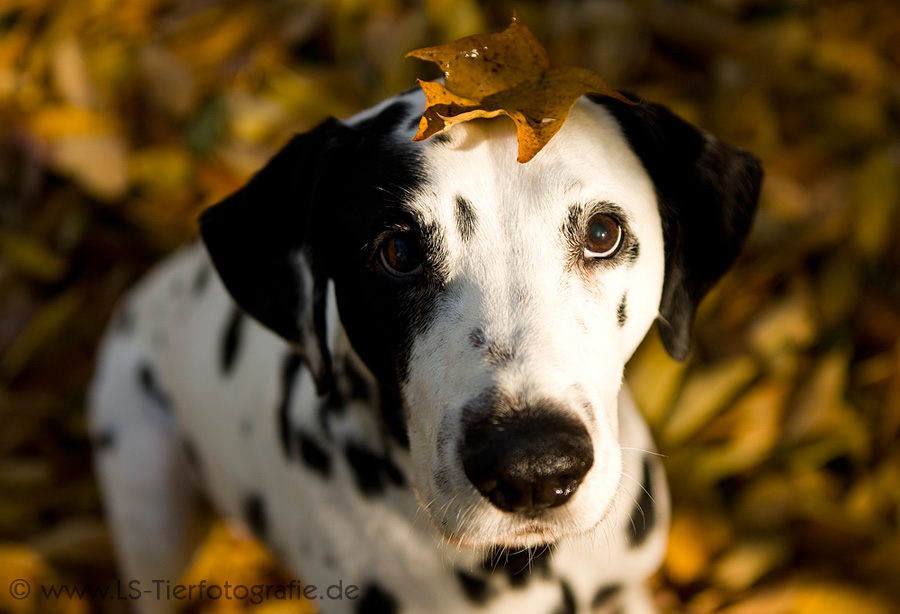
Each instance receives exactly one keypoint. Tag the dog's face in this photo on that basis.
(496, 301)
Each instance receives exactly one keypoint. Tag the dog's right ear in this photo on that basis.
(259, 240)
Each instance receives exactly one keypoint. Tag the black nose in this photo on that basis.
(528, 460)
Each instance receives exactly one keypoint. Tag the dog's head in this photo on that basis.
(497, 301)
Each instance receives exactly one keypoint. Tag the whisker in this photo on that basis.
(643, 451)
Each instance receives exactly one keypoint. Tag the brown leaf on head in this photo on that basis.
(507, 73)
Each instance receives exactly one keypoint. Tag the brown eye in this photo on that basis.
(401, 255)
(603, 238)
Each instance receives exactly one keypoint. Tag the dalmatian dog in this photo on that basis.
(400, 364)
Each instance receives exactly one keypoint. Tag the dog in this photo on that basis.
(400, 364)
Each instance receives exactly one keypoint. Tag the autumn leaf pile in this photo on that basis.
(781, 436)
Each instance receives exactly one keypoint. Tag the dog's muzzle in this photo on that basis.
(527, 461)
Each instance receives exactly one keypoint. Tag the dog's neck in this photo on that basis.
(353, 381)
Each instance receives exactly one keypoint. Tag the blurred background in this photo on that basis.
(121, 119)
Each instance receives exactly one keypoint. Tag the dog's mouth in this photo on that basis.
(534, 535)
(479, 528)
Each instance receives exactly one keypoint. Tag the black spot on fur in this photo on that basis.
(476, 589)
(124, 320)
(622, 312)
(201, 279)
(334, 404)
(392, 472)
(442, 138)
(366, 469)
(231, 341)
(355, 383)
(255, 515)
(104, 441)
(290, 366)
(643, 515)
(313, 455)
(465, 218)
(568, 605)
(498, 354)
(519, 566)
(631, 255)
(373, 472)
(329, 560)
(305, 546)
(192, 457)
(572, 230)
(393, 415)
(376, 600)
(605, 596)
(151, 388)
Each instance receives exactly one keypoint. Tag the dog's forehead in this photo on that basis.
(588, 161)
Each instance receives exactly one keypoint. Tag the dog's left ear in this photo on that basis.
(707, 192)
(261, 241)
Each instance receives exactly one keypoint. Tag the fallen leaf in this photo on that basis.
(707, 392)
(754, 432)
(875, 196)
(97, 162)
(806, 597)
(693, 543)
(70, 73)
(655, 379)
(507, 73)
(43, 328)
(747, 562)
(30, 257)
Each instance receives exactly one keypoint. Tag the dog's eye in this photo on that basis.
(603, 238)
(401, 255)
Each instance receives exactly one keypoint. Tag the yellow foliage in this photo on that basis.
(693, 543)
(229, 555)
(780, 435)
(813, 598)
(97, 162)
(706, 393)
(23, 573)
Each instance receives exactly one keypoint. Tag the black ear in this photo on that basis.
(707, 192)
(259, 239)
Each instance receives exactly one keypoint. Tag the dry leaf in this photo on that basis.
(693, 543)
(747, 562)
(30, 257)
(507, 73)
(97, 162)
(754, 432)
(707, 392)
(71, 73)
(655, 379)
(42, 329)
(808, 597)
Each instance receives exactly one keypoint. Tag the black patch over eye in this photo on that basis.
(603, 236)
(401, 255)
